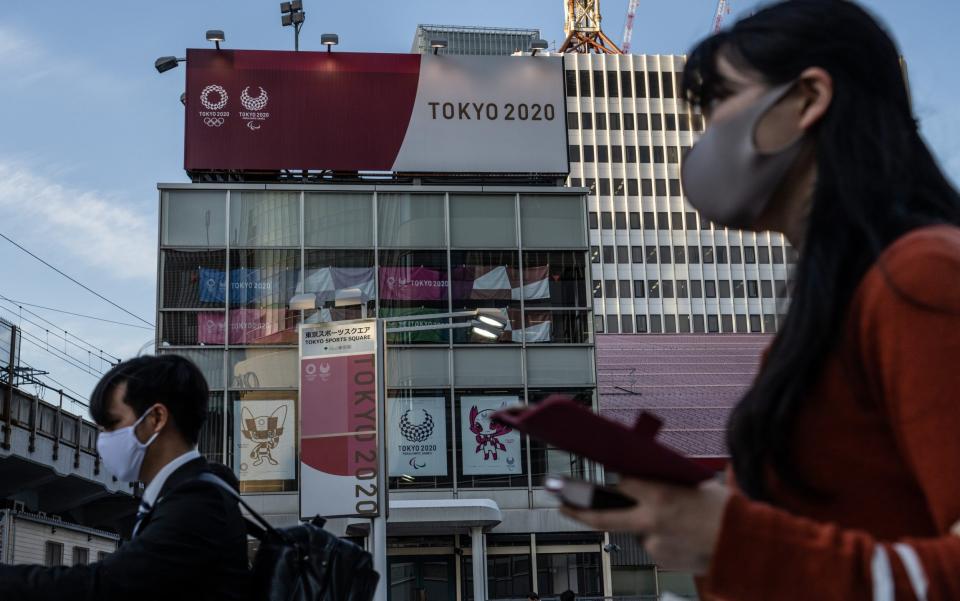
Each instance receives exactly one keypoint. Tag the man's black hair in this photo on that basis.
(568, 595)
(171, 380)
(533, 595)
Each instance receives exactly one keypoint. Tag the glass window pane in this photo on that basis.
(193, 279)
(418, 367)
(555, 279)
(472, 470)
(561, 327)
(414, 282)
(338, 219)
(251, 369)
(410, 219)
(262, 440)
(489, 279)
(261, 284)
(547, 366)
(210, 363)
(407, 407)
(487, 367)
(264, 218)
(552, 221)
(478, 221)
(329, 271)
(194, 218)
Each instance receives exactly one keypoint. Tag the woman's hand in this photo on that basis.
(678, 526)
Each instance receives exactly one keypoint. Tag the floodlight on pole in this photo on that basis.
(165, 63)
(216, 36)
(484, 331)
(329, 40)
(437, 44)
(291, 14)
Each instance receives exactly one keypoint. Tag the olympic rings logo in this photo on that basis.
(213, 121)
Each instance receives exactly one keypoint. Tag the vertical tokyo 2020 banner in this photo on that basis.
(339, 462)
(347, 111)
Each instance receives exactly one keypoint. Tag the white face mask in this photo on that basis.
(122, 453)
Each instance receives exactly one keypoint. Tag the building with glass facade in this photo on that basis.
(231, 256)
(474, 40)
(656, 267)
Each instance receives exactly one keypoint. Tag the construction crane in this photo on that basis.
(582, 27)
(723, 9)
(628, 26)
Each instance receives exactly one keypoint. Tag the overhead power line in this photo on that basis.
(75, 281)
(69, 360)
(119, 323)
(56, 332)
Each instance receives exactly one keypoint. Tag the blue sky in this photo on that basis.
(87, 126)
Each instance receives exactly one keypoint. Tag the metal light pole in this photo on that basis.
(488, 323)
(292, 15)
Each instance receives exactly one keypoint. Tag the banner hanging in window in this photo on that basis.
(264, 432)
(488, 448)
(417, 436)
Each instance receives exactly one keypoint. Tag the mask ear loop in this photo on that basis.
(137, 423)
(776, 95)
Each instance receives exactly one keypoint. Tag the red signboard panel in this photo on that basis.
(269, 110)
(407, 113)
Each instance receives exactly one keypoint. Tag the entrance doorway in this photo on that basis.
(426, 578)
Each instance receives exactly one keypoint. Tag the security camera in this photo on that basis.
(611, 548)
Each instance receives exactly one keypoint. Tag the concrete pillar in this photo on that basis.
(479, 559)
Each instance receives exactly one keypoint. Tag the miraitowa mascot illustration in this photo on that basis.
(488, 433)
(265, 432)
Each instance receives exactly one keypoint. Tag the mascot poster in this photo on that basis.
(417, 436)
(265, 440)
(488, 448)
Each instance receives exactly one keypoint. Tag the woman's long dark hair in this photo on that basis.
(876, 180)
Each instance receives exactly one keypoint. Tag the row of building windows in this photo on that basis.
(693, 289)
(626, 154)
(640, 122)
(629, 186)
(614, 84)
(685, 324)
(53, 554)
(666, 255)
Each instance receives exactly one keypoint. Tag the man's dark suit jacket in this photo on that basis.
(192, 545)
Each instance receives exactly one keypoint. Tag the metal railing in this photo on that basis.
(42, 418)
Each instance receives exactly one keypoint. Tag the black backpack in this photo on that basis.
(304, 563)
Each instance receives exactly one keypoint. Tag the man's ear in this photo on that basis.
(158, 418)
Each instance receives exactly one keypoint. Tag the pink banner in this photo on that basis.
(247, 326)
(412, 283)
(339, 413)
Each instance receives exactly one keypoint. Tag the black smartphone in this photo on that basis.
(581, 494)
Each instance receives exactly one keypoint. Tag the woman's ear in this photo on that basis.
(815, 87)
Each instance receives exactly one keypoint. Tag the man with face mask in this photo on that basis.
(189, 540)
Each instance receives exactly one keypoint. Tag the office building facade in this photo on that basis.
(230, 258)
(656, 266)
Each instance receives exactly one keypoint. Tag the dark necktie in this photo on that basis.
(143, 511)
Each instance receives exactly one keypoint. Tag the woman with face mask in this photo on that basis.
(846, 450)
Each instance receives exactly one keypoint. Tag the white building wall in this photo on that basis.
(26, 541)
(746, 314)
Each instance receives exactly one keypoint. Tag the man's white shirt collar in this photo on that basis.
(156, 485)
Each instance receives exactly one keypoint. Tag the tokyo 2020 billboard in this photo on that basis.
(407, 113)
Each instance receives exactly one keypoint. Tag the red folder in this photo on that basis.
(563, 423)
